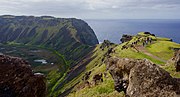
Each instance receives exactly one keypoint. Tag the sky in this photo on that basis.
(94, 9)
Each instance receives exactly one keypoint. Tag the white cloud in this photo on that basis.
(91, 8)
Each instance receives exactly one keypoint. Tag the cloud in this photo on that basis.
(92, 8)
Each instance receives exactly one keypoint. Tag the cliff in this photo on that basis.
(45, 30)
(65, 35)
(85, 71)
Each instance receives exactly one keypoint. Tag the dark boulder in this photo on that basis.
(149, 33)
(86, 76)
(98, 78)
(142, 78)
(18, 80)
(126, 38)
(106, 44)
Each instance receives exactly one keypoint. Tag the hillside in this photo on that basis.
(160, 51)
(65, 35)
(67, 52)
(58, 42)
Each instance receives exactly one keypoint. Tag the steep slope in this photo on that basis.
(90, 82)
(67, 39)
(67, 36)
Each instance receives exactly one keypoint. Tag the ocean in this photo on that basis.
(113, 29)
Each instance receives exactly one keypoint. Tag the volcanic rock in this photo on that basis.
(142, 78)
(126, 38)
(18, 80)
(176, 60)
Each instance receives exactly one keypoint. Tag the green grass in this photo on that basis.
(52, 78)
(163, 49)
(55, 76)
(163, 39)
(171, 69)
(106, 89)
(130, 53)
(103, 89)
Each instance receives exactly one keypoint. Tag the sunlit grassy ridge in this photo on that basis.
(97, 66)
(162, 48)
(130, 53)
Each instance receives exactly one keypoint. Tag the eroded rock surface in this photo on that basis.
(176, 60)
(126, 38)
(142, 78)
(18, 80)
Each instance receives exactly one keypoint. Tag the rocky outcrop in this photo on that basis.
(126, 38)
(86, 76)
(18, 80)
(106, 44)
(98, 78)
(142, 78)
(176, 60)
(149, 33)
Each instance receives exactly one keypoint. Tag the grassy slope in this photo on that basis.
(53, 74)
(96, 66)
(161, 48)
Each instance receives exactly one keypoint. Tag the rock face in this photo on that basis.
(105, 44)
(97, 78)
(176, 59)
(149, 33)
(141, 78)
(126, 38)
(18, 80)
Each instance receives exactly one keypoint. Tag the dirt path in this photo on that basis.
(142, 49)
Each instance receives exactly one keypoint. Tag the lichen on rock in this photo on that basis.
(142, 78)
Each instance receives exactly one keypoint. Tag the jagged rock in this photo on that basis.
(176, 59)
(105, 44)
(126, 38)
(149, 33)
(86, 76)
(142, 78)
(18, 80)
(97, 78)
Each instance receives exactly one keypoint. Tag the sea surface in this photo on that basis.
(113, 29)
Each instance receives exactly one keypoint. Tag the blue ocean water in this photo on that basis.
(114, 29)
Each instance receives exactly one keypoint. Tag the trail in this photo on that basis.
(142, 49)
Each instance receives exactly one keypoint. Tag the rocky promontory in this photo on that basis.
(18, 80)
(142, 78)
